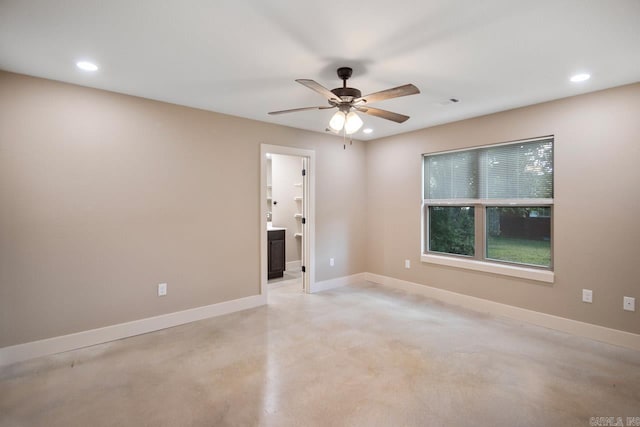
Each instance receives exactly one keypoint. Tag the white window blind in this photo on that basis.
(522, 170)
(452, 176)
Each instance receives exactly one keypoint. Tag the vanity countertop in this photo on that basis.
(272, 228)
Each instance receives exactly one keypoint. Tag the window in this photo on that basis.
(492, 204)
(452, 229)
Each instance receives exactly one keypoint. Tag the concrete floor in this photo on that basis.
(288, 275)
(362, 355)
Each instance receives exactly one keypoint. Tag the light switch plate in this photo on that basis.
(407, 263)
(587, 295)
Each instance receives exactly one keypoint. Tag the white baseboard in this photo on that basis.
(31, 350)
(91, 337)
(293, 266)
(337, 282)
(574, 327)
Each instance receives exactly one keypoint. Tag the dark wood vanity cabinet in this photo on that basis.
(276, 253)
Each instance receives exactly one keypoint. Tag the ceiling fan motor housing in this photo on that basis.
(346, 94)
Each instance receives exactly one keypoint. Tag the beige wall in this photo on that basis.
(103, 196)
(597, 205)
(285, 172)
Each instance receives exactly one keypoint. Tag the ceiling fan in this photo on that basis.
(348, 100)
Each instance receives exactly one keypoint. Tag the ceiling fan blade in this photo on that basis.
(293, 110)
(384, 114)
(313, 85)
(395, 92)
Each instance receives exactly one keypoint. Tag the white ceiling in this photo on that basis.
(241, 57)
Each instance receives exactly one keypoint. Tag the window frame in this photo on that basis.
(479, 260)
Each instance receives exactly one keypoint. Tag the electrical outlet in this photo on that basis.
(407, 263)
(332, 262)
(162, 289)
(587, 295)
(629, 303)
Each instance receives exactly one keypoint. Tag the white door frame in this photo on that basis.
(310, 214)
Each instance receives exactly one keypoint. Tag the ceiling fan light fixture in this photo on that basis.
(353, 123)
(337, 121)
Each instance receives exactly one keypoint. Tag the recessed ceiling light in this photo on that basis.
(86, 66)
(367, 130)
(580, 77)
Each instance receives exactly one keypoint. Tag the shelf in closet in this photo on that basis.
(298, 215)
(297, 235)
(297, 199)
(299, 184)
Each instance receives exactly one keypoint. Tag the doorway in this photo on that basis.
(287, 215)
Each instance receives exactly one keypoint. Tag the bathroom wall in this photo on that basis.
(286, 172)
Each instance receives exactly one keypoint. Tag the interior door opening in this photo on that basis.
(286, 218)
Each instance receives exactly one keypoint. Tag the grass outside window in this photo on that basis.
(522, 251)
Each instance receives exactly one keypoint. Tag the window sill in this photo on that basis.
(490, 267)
